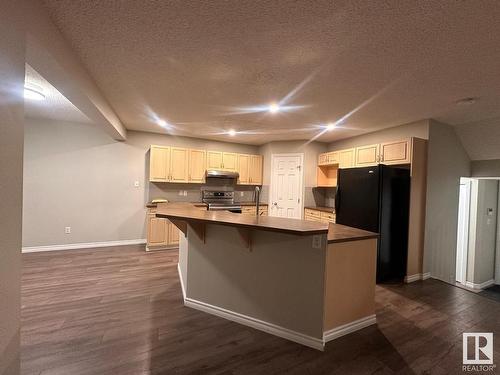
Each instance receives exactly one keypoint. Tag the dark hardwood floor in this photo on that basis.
(119, 311)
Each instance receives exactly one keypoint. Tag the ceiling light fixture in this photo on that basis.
(467, 101)
(162, 123)
(274, 108)
(231, 132)
(33, 93)
(330, 126)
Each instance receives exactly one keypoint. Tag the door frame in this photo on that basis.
(465, 254)
(301, 177)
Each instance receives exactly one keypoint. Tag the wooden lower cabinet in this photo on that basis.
(250, 210)
(161, 233)
(317, 215)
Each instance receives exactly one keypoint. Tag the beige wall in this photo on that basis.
(76, 175)
(288, 290)
(482, 236)
(485, 168)
(12, 60)
(447, 162)
(419, 129)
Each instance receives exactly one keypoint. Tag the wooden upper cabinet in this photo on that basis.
(214, 160)
(159, 163)
(179, 164)
(347, 158)
(395, 152)
(367, 155)
(255, 169)
(323, 158)
(230, 161)
(328, 158)
(244, 169)
(333, 157)
(197, 166)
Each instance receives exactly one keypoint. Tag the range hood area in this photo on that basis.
(214, 173)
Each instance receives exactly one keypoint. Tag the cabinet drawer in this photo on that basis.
(313, 213)
(327, 216)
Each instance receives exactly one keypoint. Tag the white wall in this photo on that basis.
(482, 231)
(12, 61)
(76, 175)
(447, 162)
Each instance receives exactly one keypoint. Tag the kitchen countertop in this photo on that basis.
(320, 208)
(336, 232)
(199, 204)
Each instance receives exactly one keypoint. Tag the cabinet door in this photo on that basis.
(395, 152)
(230, 161)
(178, 164)
(256, 169)
(346, 158)
(157, 231)
(333, 157)
(323, 158)
(244, 169)
(214, 160)
(159, 163)
(197, 166)
(173, 237)
(367, 155)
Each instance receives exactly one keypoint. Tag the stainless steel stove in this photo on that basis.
(220, 201)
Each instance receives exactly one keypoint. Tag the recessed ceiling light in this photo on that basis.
(274, 108)
(33, 93)
(467, 101)
(162, 123)
(231, 132)
(330, 126)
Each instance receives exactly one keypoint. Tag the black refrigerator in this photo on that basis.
(377, 199)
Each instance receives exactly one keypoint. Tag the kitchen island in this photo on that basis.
(309, 282)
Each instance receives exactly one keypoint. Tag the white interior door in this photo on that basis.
(463, 232)
(286, 185)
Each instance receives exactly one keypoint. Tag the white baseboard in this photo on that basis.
(349, 328)
(481, 286)
(182, 282)
(261, 325)
(83, 245)
(417, 277)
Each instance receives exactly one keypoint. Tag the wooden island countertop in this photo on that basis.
(189, 212)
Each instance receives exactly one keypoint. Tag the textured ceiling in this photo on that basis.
(55, 106)
(194, 64)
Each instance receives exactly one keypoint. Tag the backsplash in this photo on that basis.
(313, 196)
(171, 192)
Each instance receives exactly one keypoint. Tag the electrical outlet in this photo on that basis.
(185, 193)
(316, 242)
(180, 193)
(241, 194)
(136, 184)
(67, 230)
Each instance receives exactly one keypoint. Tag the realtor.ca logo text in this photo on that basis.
(478, 352)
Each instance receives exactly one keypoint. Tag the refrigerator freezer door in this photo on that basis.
(357, 199)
